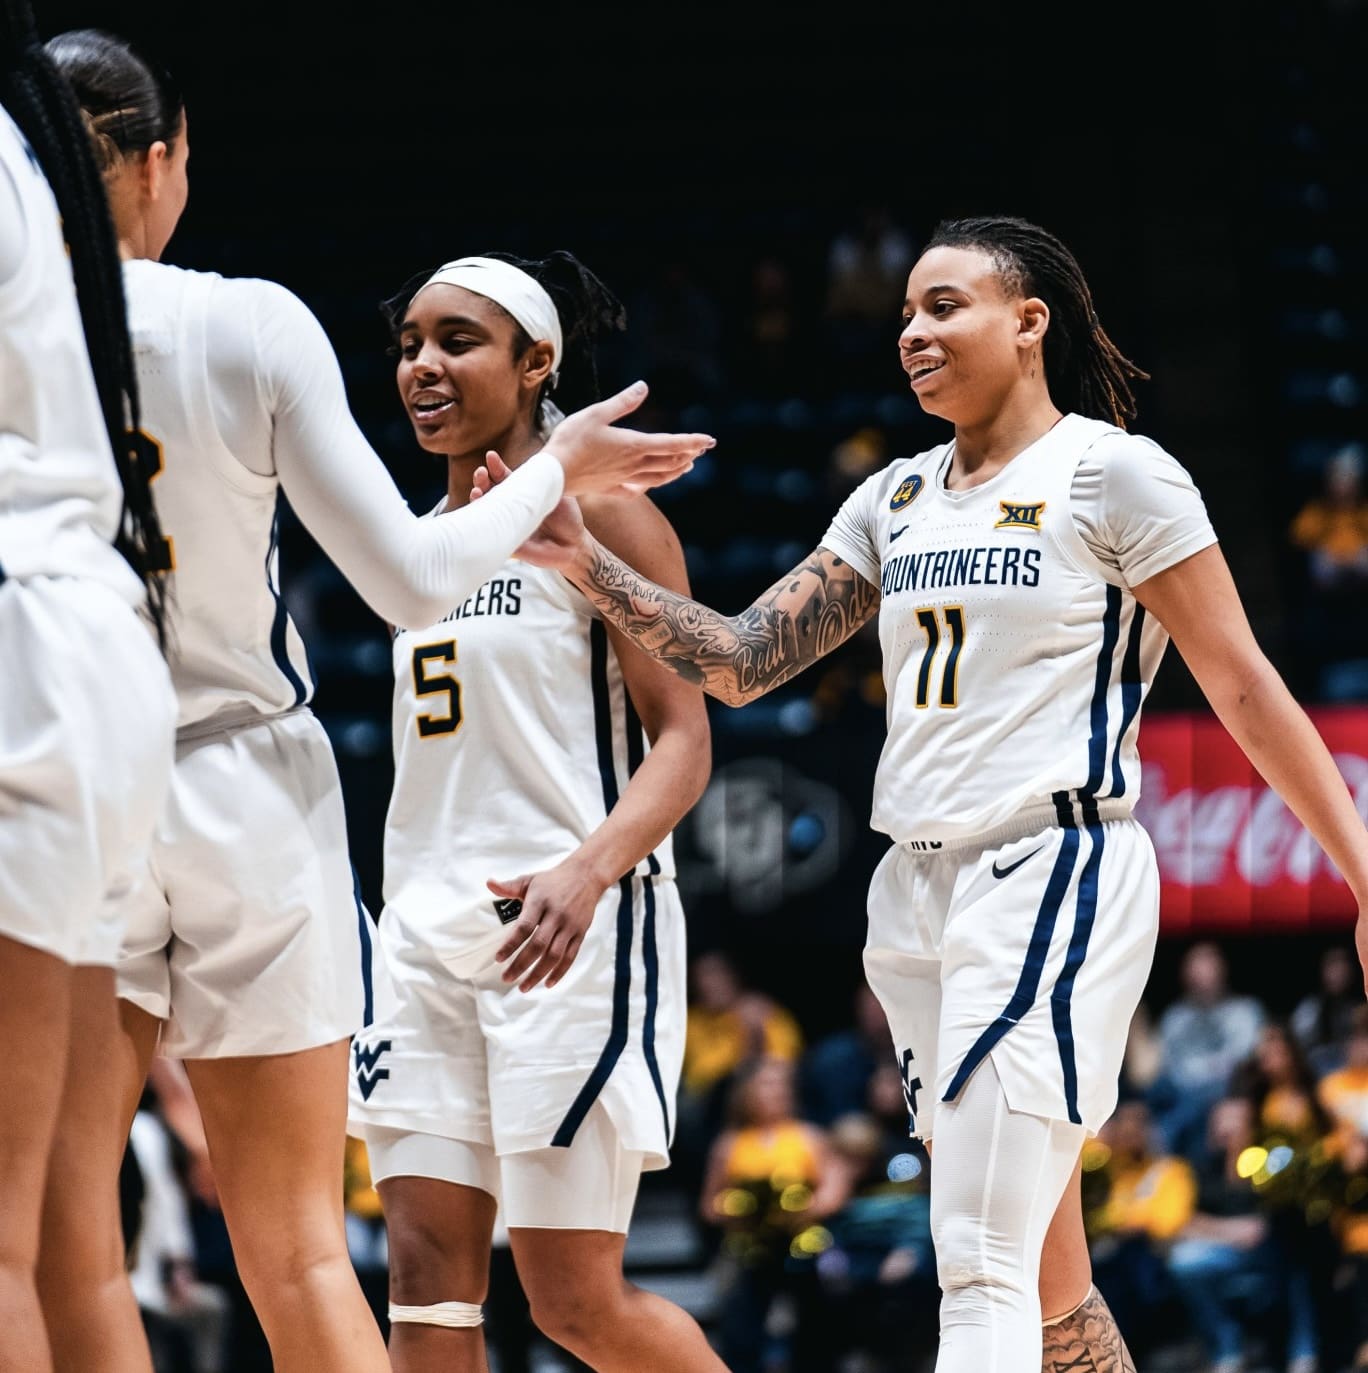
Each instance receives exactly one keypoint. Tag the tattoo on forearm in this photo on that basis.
(1086, 1342)
(815, 608)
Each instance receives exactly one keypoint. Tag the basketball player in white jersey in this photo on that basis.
(524, 782)
(86, 707)
(1027, 576)
(246, 945)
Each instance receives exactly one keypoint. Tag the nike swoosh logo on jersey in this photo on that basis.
(1012, 867)
(897, 534)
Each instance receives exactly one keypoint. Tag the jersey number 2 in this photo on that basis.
(427, 682)
(949, 687)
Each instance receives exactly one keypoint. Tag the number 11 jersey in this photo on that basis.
(1016, 657)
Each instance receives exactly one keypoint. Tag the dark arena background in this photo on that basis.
(753, 183)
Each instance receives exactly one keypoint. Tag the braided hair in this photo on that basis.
(43, 105)
(587, 308)
(1086, 372)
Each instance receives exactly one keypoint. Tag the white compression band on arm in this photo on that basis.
(450, 1315)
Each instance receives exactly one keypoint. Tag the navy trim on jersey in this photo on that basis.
(1029, 982)
(603, 712)
(1131, 687)
(1085, 907)
(617, 1033)
(1097, 743)
(2, 574)
(280, 624)
(1062, 995)
(636, 753)
(363, 922)
(651, 959)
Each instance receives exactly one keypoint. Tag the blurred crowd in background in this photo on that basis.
(1226, 1199)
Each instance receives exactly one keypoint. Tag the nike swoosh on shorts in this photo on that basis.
(1012, 867)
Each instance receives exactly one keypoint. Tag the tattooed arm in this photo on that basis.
(736, 658)
(806, 614)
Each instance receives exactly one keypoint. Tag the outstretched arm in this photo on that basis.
(1196, 601)
(806, 614)
(291, 418)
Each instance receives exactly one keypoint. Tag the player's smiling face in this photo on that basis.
(960, 343)
(457, 373)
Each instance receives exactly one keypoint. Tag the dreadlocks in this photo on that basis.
(1087, 373)
(44, 107)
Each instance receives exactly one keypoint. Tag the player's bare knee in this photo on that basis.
(564, 1323)
(426, 1265)
(275, 1268)
(571, 1313)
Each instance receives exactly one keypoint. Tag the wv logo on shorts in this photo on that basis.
(1020, 516)
(911, 1086)
(907, 492)
(368, 1076)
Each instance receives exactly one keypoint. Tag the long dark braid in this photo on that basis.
(43, 106)
(1086, 372)
(587, 308)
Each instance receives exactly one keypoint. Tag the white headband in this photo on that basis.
(523, 296)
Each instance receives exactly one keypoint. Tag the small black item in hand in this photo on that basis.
(508, 909)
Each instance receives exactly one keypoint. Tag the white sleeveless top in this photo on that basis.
(514, 735)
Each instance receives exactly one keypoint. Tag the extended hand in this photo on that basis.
(557, 909)
(598, 457)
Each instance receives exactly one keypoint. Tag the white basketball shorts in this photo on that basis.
(87, 728)
(474, 1058)
(247, 936)
(1033, 948)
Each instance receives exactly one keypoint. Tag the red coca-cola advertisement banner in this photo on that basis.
(1232, 857)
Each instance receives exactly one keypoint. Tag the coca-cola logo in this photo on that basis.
(1231, 853)
(1204, 835)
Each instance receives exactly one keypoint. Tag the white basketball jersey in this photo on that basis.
(1015, 662)
(60, 498)
(234, 652)
(514, 736)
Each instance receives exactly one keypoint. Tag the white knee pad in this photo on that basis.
(451, 1315)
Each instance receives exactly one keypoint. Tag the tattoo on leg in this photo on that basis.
(1088, 1341)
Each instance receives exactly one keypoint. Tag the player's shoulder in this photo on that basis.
(1119, 457)
(900, 481)
(257, 296)
(145, 276)
(1105, 443)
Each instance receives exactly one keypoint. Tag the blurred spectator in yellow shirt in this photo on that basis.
(1136, 1199)
(729, 1024)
